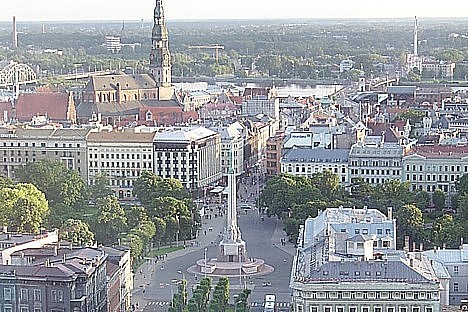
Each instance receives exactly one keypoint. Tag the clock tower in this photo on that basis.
(160, 59)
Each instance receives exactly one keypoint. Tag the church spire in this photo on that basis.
(160, 58)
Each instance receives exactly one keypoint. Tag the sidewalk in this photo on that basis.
(279, 234)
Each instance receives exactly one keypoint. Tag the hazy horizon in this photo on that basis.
(184, 10)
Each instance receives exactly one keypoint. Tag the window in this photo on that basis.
(339, 309)
(455, 269)
(24, 294)
(24, 309)
(377, 309)
(7, 293)
(428, 309)
(300, 308)
(403, 309)
(57, 295)
(390, 309)
(327, 309)
(456, 287)
(415, 309)
(352, 309)
(7, 309)
(313, 309)
(37, 295)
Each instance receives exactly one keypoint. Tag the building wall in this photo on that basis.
(121, 162)
(365, 297)
(22, 146)
(376, 164)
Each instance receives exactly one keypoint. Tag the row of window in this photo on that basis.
(364, 309)
(26, 295)
(33, 144)
(120, 156)
(454, 168)
(370, 294)
(433, 177)
(93, 164)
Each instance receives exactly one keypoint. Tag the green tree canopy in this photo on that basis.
(77, 232)
(24, 207)
(111, 220)
(59, 184)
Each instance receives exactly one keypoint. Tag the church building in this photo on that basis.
(150, 99)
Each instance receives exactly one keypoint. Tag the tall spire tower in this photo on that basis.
(415, 38)
(160, 59)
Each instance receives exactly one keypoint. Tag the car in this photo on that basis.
(245, 206)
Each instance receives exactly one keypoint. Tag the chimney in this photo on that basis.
(14, 34)
(390, 213)
(407, 243)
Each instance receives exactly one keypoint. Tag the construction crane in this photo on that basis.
(217, 47)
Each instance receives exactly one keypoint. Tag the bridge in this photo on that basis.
(16, 74)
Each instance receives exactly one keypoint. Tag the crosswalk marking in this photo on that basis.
(158, 303)
(278, 304)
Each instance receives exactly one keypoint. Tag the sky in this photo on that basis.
(73, 10)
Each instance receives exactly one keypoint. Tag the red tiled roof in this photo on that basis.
(439, 151)
(54, 105)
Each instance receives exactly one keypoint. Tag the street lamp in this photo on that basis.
(178, 225)
(205, 261)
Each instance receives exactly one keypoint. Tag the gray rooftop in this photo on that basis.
(319, 155)
(366, 271)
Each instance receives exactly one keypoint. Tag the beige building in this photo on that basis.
(19, 146)
(428, 168)
(191, 155)
(120, 156)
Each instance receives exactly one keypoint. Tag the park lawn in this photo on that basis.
(162, 251)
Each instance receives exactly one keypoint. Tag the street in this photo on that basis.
(157, 282)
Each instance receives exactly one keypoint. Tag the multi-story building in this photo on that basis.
(74, 281)
(273, 154)
(456, 263)
(232, 149)
(13, 242)
(308, 161)
(20, 146)
(113, 44)
(190, 154)
(435, 167)
(119, 256)
(120, 156)
(376, 160)
(346, 262)
(262, 104)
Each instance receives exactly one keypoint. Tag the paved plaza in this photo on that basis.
(156, 282)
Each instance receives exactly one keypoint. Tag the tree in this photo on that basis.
(326, 182)
(111, 220)
(24, 207)
(100, 188)
(77, 232)
(445, 232)
(59, 184)
(134, 242)
(135, 215)
(438, 199)
(409, 222)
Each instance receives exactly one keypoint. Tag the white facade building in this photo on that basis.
(232, 141)
(375, 160)
(308, 161)
(120, 156)
(190, 154)
(343, 264)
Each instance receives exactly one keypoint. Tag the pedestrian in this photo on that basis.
(205, 232)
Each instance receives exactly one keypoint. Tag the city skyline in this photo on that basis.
(53, 10)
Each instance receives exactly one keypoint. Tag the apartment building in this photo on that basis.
(19, 146)
(190, 154)
(74, 281)
(434, 167)
(346, 261)
(308, 161)
(273, 153)
(120, 156)
(376, 160)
